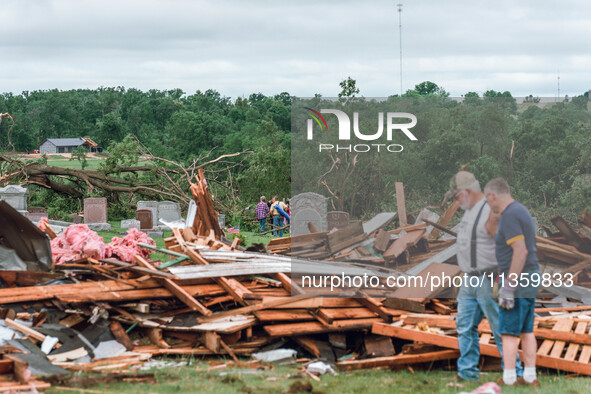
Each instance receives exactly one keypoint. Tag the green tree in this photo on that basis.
(80, 154)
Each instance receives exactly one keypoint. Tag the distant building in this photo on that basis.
(67, 145)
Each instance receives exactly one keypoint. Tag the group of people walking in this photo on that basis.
(277, 211)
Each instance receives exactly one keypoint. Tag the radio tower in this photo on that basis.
(558, 90)
(400, 36)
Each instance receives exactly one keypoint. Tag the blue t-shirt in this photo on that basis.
(516, 223)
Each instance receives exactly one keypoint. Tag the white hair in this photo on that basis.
(474, 186)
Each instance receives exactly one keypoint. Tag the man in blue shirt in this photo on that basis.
(476, 258)
(515, 249)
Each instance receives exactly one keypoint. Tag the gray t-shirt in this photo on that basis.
(485, 244)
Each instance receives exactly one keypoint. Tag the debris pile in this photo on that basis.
(98, 313)
(78, 241)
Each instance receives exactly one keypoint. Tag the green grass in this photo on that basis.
(92, 164)
(196, 378)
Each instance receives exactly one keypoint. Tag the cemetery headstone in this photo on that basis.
(131, 223)
(305, 208)
(169, 211)
(16, 197)
(144, 216)
(337, 219)
(152, 206)
(95, 210)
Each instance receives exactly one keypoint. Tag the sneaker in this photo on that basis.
(523, 382)
(502, 383)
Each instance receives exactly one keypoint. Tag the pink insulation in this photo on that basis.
(79, 241)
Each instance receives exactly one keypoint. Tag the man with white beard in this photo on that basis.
(476, 258)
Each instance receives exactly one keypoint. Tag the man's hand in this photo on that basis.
(506, 297)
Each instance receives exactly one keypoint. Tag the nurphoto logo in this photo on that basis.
(391, 119)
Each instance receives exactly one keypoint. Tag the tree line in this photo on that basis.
(544, 152)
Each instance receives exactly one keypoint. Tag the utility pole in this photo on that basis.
(400, 44)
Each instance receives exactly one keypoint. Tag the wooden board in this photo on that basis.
(378, 221)
(399, 360)
(424, 292)
(400, 204)
(401, 244)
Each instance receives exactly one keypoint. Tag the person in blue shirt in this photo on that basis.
(515, 249)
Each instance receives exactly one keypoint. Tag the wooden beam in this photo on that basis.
(427, 337)
(282, 330)
(175, 289)
(446, 218)
(399, 360)
(401, 204)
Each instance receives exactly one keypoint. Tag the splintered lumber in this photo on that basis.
(374, 306)
(542, 359)
(446, 218)
(346, 236)
(563, 325)
(273, 303)
(407, 304)
(230, 269)
(440, 257)
(441, 228)
(570, 235)
(205, 217)
(232, 286)
(401, 204)
(428, 337)
(25, 330)
(378, 221)
(382, 241)
(282, 330)
(424, 290)
(378, 346)
(398, 360)
(401, 244)
(175, 289)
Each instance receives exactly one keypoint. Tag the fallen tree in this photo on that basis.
(143, 174)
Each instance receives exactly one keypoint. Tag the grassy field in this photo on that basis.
(92, 164)
(198, 378)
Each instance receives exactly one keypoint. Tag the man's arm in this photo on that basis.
(492, 223)
(519, 257)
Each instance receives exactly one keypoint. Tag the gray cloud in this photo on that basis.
(303, 47)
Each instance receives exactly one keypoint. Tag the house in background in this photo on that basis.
(67, 145)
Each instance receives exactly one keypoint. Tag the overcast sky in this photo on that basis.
(302, 47)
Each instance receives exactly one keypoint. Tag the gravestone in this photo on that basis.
(37, 213)
(16, 197)
(155, 234)
(337, 219)
(35, 217)
(191, 211)
(95, 210)
(305, 208)
(130, 223)
(145, 218)
(152, 206)
(169, 211)
(222, 220)
(76, 219)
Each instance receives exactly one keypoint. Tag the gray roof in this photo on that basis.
(66, 141)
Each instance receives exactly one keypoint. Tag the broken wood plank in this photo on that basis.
(399, 360)
(446, 218)
(378, 221)
(175, 289)
(401, 244)
(400, 204)
(294, 329)
(382, 241)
